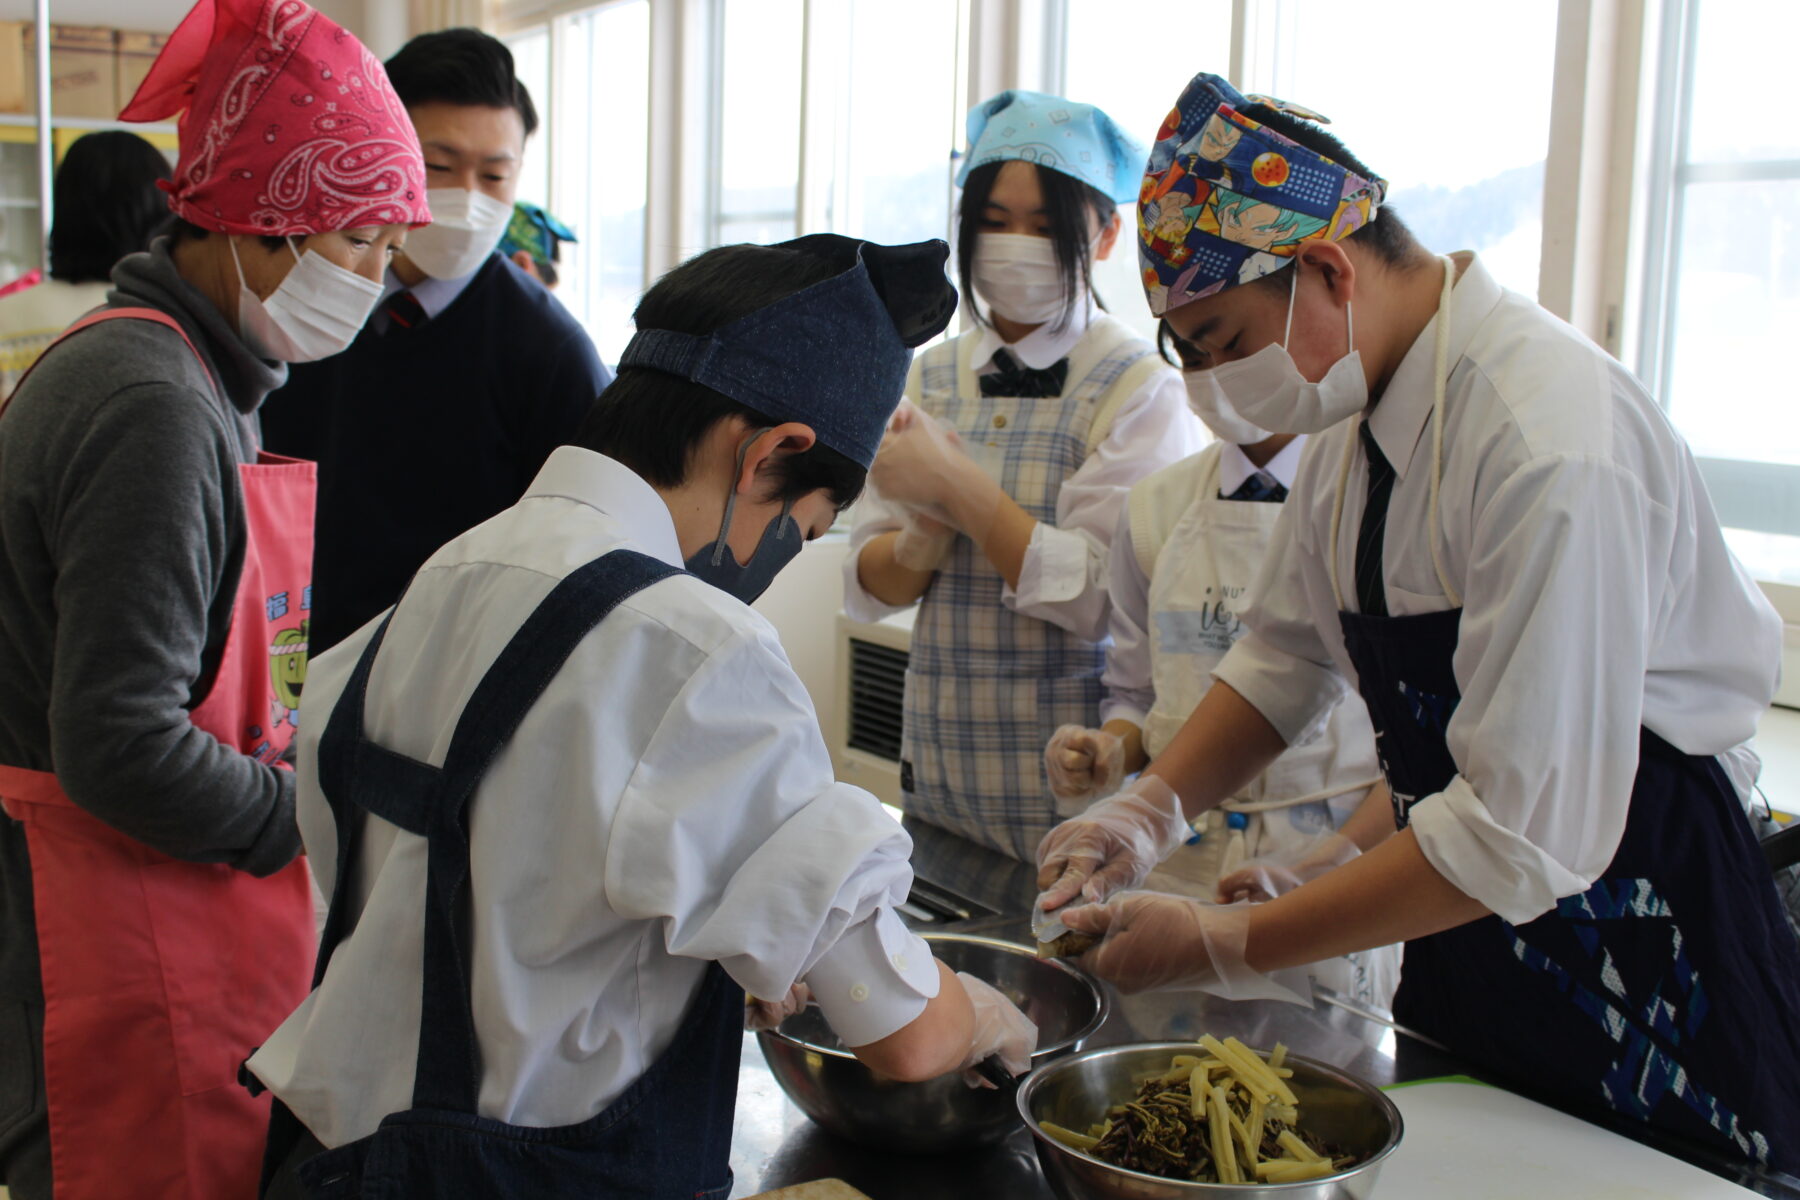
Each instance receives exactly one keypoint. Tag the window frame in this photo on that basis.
(1625, 66)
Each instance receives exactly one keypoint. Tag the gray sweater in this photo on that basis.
(121, 541)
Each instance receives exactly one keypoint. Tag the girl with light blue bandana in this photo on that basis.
(999, 490)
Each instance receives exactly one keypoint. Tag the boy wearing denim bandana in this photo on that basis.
(654, 831)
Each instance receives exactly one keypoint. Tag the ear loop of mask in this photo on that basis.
(239, 263)
(1288, 330)
(719, 546)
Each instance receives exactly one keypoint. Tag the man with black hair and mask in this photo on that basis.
(469, 373)
(544, 993)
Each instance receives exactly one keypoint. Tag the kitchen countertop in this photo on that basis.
(775, 1145)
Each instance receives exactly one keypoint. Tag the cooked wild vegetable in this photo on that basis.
(1068, 945)
(1225, 1116)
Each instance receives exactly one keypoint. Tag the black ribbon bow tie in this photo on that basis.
(1009, 378)
(1257, 488)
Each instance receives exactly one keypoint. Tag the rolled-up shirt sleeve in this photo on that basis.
(771, 863)
(1281, 665)
(1546, 734)
(1064, 577)
(1128, 676)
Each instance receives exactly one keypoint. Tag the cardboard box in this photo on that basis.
(82, 71)
(136, 52)
(15, 85)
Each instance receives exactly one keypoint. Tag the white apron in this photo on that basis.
(1200, 580)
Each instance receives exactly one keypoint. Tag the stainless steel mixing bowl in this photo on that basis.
(831, 1087)
(1076, 1092)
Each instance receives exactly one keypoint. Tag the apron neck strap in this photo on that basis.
(1439, 382)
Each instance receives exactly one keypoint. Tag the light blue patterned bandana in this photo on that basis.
(1077, 139)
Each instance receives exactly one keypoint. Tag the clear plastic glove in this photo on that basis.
(767, 1014)
(1001, 1031)
(1152, 941)
(1112, 846)
(1267, 877)
(923, 466)
(922, 543)
(1084, 763)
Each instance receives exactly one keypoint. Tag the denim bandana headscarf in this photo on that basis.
(1226, 200)
(834, 355)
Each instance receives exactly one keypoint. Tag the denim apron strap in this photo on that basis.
(356, 774)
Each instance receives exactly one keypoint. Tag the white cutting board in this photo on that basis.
(1474, 1142)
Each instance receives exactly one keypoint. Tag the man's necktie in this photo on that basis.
(1009, 378)
(405, 311)
(1258, 488)
(1371, 598)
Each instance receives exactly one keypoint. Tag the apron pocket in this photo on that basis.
(235, 952)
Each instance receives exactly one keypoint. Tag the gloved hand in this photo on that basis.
(1001, 1031)
(1151, 941)
(922, 465)
(767, 1014)
(1084, 763)
(1112, 846)
(922, 542)
(1269, 876)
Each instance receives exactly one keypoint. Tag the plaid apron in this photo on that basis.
(987, 687)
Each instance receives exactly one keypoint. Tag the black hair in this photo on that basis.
(546, 269)
(1068, 203)
(107, 204)
(653, 422)
(182, 230)
(1387, 236)
(460, 66)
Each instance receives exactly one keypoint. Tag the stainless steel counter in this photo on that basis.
(775, 1145)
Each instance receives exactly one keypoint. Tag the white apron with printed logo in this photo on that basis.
(1199, 589)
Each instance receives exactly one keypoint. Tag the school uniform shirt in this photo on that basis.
(1063, 578)
(1598, 596)
(667, 802)
(1129, 691)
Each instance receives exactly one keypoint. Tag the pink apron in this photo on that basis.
(161, 976)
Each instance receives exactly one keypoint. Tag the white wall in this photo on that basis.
(803, 605)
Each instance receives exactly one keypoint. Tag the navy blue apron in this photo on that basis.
(1669, 991)
(668, 1136)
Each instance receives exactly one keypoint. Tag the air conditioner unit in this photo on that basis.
(870, 694)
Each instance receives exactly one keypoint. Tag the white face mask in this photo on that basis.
(465, 227)
(1018, 276)
(316, 312)
(1210, 404)
(1268, 389)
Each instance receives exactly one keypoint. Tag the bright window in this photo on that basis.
(588, 74)
(1105, 65)
(898, 126)
(758, 120)
(1724, 277)
(1450, 102)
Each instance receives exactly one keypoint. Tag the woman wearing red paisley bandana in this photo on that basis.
(155, 923)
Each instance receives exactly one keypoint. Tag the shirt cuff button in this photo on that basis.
(860, 992)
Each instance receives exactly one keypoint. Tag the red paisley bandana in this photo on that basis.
(288, 124)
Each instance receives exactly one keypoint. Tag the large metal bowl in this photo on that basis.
(827, 1083)
(1076, 1092)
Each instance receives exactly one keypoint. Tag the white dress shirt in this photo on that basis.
(1063, 577)
(666, 803)
(1129, 691)
(1598, 595)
